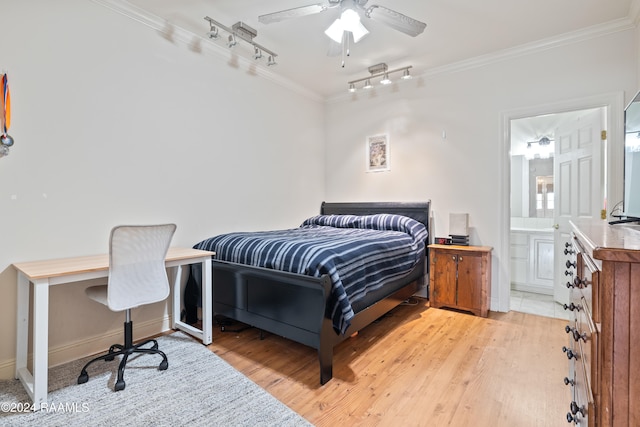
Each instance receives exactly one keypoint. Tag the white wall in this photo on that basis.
(114, 124)
(464, 172)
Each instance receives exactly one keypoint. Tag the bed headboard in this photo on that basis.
(420, 211)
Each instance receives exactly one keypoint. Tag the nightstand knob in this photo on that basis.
(570, 264)
(568, 273)
(567, 381)
(569, 251)
(570, 285)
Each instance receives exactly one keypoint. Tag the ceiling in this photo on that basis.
(457, 30)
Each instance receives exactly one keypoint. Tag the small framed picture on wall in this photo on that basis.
(377, 153)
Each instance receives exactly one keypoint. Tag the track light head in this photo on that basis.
(271, 61)
(257, 53)
(231, 41)
(213, 34)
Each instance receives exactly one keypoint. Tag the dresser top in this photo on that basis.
(619, 242)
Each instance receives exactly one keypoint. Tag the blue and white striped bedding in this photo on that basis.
(359, 253)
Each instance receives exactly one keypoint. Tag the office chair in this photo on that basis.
(137, 276)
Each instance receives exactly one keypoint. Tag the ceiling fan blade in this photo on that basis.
(296, 12)
(395, 20)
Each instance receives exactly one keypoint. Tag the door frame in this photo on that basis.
(614, 104)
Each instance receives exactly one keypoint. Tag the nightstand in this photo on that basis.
(460, 277)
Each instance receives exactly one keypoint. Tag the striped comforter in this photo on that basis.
(359, 253)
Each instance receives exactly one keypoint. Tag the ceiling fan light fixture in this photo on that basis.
(348, 21)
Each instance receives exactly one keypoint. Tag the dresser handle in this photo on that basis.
(580, 283)
(570, 285)
(569, 251)
(568, 273)
(571, 306)
(570, 264)
(570, 353)
(567, 381)
(576, 335)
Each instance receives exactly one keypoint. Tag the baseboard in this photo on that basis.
(92, 345)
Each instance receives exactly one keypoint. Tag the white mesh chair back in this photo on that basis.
(137, 273)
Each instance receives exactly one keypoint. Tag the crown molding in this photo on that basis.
(196, 42)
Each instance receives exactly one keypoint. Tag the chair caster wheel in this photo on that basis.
(119, 385)
(163, 365)
(83, 378)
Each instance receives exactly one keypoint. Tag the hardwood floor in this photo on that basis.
(418, 366)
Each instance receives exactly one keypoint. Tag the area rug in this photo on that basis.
(198, 389)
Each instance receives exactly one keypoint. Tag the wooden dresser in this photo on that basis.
(603, 275)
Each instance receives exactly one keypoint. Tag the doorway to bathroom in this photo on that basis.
(555, 176)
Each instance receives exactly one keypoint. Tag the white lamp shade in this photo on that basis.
(359, 32)
(335, 31)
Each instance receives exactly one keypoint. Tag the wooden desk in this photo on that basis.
(43, 274)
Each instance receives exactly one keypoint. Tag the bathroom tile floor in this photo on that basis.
(540, 304)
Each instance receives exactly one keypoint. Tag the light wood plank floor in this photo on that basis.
(418, 366)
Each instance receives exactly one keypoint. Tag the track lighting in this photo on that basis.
(240, 32)
(379, 70)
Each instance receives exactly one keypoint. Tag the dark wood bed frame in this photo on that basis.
(293, 305)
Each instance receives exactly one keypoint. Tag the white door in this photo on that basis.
(578, 186)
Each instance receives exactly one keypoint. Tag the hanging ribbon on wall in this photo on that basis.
(6, 140)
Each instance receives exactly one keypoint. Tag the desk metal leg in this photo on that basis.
(22, 331)
(207, 307)
(35, 383)
(40, 341)
(207, 304)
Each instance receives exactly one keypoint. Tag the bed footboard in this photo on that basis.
(286, 304)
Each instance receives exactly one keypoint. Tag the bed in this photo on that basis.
(314, 304)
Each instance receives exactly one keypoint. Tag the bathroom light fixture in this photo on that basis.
(379, 70)
(240, 32)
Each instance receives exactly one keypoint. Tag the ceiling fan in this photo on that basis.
(349, 20)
